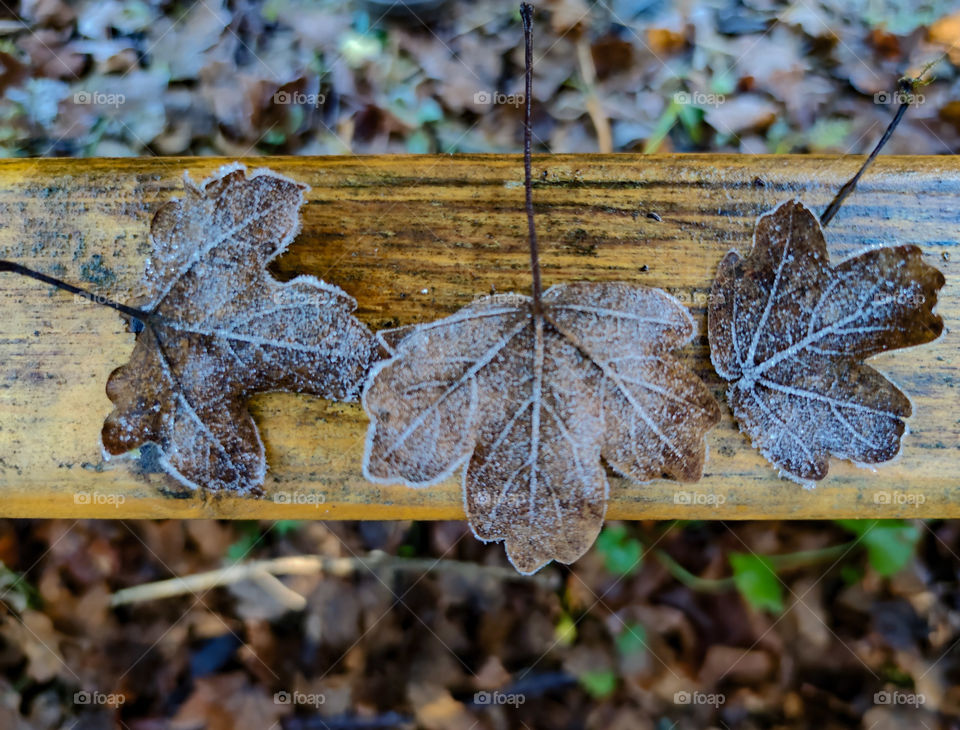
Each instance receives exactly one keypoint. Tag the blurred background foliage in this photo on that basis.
(133, 77)
(662, 625)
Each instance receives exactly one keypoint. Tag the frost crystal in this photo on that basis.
(221, 329)
(531, 403)
(790, 334)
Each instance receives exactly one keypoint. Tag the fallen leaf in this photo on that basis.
(533, 402)
(180, 43)
(436, 709)
(52, 54)
(790, 333)
(36, 637)
(946, 32)
(741, 113)
(222, 328)
(230, 702)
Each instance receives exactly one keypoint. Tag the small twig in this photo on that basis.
(906, 87)
(805, 558)
(786, 561)
(531, 685)
(703, 585)
(526, 14)
(273, 587)
(588, 72)
(319, 564)
(388, 720)
(132, 312)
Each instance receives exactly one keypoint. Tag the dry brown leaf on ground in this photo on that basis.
(229, 702)
(790, 333)
(532, 401)
(946, 32)
(220, 328)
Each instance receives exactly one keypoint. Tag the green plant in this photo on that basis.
(756, 580)
(599, 683)
(622, 554)
(890, 543)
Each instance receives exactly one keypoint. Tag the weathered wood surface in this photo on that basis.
(415, 238)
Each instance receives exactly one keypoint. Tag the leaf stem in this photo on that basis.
(526, 14)
(785, 561)
(905, 88)
(132, 312)
(694, 582)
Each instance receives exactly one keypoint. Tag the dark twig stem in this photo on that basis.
(131, 312)
(526, 13)
(849, 186)
(905, 87)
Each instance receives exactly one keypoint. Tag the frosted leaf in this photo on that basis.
(223, 329)
(531, 403)
(790, 333)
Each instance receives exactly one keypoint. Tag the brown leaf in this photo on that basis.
(790, 333)
(229, 702)
(946, 32)
(223, 329)
(533, 402)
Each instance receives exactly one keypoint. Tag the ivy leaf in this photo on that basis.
(790, 333)
(599, 683)
(531, 401)
(621, 553)
(890, 543)
(219, 328)
(757, 581)
(632, 640)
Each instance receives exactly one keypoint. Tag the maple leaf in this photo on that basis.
(219, 328)
(533, 401)
(790, 334)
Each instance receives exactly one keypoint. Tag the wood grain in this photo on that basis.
(415, 238)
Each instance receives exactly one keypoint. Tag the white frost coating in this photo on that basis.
(369, 475)
(800, 390)
(226, 329)
(534, 404)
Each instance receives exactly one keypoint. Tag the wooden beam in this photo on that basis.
(415, 238)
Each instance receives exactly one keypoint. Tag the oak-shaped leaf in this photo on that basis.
(790, 333)
(221, 328)
(531, 402)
